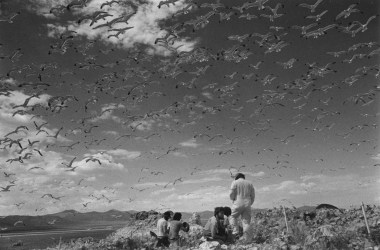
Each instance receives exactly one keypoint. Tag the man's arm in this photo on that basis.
(252, 195)
(233, 191)
(167, 227)
(214, 231)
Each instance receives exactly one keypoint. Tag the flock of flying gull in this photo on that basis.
(131, 81)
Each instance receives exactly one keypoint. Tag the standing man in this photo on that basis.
(242, 194)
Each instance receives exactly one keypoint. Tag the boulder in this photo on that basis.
(210, 245)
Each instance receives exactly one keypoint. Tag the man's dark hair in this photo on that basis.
(167, 214)
(217, 210)
(239, 175)
(177, 216)
(227, 211)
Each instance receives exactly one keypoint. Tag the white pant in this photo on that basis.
(244, 211)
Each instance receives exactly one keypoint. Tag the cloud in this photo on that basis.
(192, 143)
(106, 113)
(142, 125)
(145, 24)
(161, 191)
(376, 157)
(124, 154)
(107, 162)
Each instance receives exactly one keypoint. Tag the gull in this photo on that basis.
(7, 175)
(238, 38)
(286, 139)
(288, 64)
(276, 28)
(171, 149)
(364, 27)
(38, 151)
(16, 130)
(311, 7)
(77, 4)
(259, 4)
(56, 134)
(86, 204)
(93, 159)
(319, 32)
(337, 53)
(140, 190)
(31, 143)
(231, 76)
(35, 168)
(244, 7)
(126, 135)
(70, 163)
(256, 66)
(156, 173)
(213, 6)
(19, 159)
(6, 189)
(347, 12)
(225, 16)
(271, 17)
(53, 197)
(275, 9)
(176, 180)
(93, 17)
(119, 31)
(167, 3)
(304, 28)
(18, 205)
(10, 17)
(317, 17)
(109, 3)
(248, 16)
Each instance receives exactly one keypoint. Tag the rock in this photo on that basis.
(208, 245)
(326, 231)
(295, 247)
(224, 247)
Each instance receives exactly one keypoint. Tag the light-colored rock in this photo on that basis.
(210, 245)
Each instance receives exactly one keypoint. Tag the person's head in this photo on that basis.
(168, 215)
(219, 213)
(227, 211)
(239, 175)
(177, 216)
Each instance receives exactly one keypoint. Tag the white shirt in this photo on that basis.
(162, 228)
(242, 192)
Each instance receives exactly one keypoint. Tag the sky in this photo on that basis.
(93, 120)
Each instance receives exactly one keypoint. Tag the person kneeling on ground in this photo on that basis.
(226, 222)
(214, 229)
(174, 227)
(163, 230)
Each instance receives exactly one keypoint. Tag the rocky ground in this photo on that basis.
(321, 229)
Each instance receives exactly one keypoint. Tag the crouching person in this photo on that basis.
(163, 230)
(214, 229)
(174, 227)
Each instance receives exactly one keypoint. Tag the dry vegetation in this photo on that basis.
(330, 229)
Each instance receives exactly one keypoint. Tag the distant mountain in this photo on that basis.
(63, 220)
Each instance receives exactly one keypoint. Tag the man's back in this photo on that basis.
(242, 189)
(175, 226)
(162, 227)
